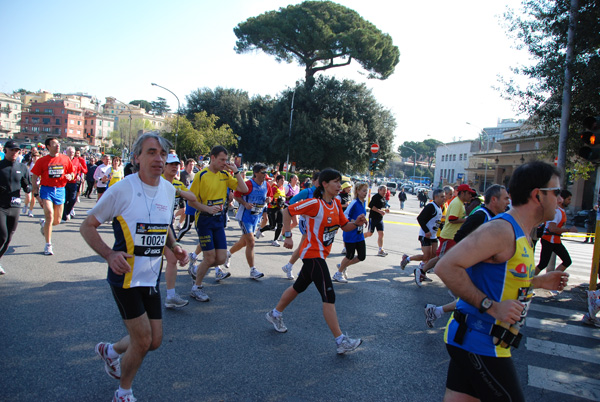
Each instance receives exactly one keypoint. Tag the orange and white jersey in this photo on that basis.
(322, 222)
(560, 218)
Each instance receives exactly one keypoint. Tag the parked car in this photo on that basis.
(393, 187)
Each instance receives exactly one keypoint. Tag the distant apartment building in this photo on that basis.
(84, 100)
(11, 108)
(39, 97)
(452, 161)
(124, 112)
(54, 118)
(97, 127)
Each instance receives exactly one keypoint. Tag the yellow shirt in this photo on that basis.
(456, 208)
(115, 176)
(211, 188)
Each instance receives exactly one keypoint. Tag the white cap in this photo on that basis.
(172, 158)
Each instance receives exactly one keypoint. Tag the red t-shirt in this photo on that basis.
(52, 170)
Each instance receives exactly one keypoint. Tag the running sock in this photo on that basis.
(339, 339)
(276, 313)
(439, 311)
(110, 352)
(171, 293)
(289, 266)
(122, 392)
(407, 259)
(195, 287)
(193, 256)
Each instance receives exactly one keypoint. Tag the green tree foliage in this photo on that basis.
(319, 35)
(160, 106)
(124, 135)
(542, 31)
(199, 135)
(231, 105)
(425, 150)
(334, 125)
(143, 104)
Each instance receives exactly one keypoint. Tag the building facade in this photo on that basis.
(54, 118)
(11, 108)
(97, 128)
(452, 162)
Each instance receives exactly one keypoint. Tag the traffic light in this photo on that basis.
(590, 150)
(372, 164)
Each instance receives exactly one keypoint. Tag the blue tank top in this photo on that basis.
(258, 197)
(510, 280)
(354, 210)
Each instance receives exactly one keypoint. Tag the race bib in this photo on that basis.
(55, 171)
(329, 234)
(150, 238)
(359, 229)
(257, 209)
(525, 296)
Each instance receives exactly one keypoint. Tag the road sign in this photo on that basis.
(374, 148)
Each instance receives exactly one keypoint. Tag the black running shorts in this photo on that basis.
(134, 302)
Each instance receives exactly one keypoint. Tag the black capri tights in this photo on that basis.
(315, 270)
(359, 248)
(556, 248)
(9, 218)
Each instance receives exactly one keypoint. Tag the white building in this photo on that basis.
(452, 160)
(10, 115)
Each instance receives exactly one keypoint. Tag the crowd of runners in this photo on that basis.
(156, 199)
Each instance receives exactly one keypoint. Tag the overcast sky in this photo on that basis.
(450, 55)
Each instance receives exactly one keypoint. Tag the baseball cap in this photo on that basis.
(172, 158)
(10, 144)
(466, 187)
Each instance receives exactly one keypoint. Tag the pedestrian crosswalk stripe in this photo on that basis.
(589, 355)
(571, 384)
(562, 328)
(542, 308)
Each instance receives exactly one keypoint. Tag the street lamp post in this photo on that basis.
(178, 108)
(487, 151)
(414, 161)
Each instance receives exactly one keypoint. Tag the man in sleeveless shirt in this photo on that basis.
(492, 273)
(141, 209)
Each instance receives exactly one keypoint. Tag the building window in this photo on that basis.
(37, 110)
(26, 119)
(65, 130)
(35, 120)
(78, 132)
(454, 157)
(71, 131)
(46, 120)
(63, 111)
(79, 122)
(48, 111)
(465, 157)
(35, 129)
(57, 121)
(72, 121)
(91, 131)
(537, 145)
(460, 157)
(518, 148)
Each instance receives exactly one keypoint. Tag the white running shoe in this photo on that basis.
(199, 295)
(111, 366)
(124, 398)
(277, 322)
(338, 277)
(2, 271)
(175, 302)
(30, 214)
(287, 268)
(404, 261)
(227, 259)
(418, 277)
(221, 274)
(275, 243)
(24, 209)
(42, 223)
(343, 251)
(382, 253)
(430, 315)
(348, 345)
(255, 273)
(592, 303)
(48, 249)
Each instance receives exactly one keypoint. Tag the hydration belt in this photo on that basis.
(503, 336)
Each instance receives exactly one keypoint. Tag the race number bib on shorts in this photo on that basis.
(329, 235)
(525, 296)
(55, 171)
(150, 238)
(257, 209)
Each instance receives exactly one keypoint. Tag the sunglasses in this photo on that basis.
(263, 172)
(555, 190)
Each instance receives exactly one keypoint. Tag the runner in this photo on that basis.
(251, 204)
(115, 174)
(302, 195)
(291, 190)
(54, 171)
(354, 240)
(14, 176)
(89, 177)
(274, 210)
(29, 198)
(173, 300)
(210, 189)
(101, 176)
(429, 221)
(496, 200)
(71, 187)
(492, 273)
(141, 209)
(324, 217)
(552, 232)
(378, 209)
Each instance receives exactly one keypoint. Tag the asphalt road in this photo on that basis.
(56, 308)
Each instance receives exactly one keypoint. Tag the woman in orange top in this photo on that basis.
(324, 217)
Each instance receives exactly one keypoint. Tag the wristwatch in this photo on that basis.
(485, 305)
(287, 235)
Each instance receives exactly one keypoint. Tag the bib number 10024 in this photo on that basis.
(150, 238)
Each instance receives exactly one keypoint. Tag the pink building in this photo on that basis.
(55, 118)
